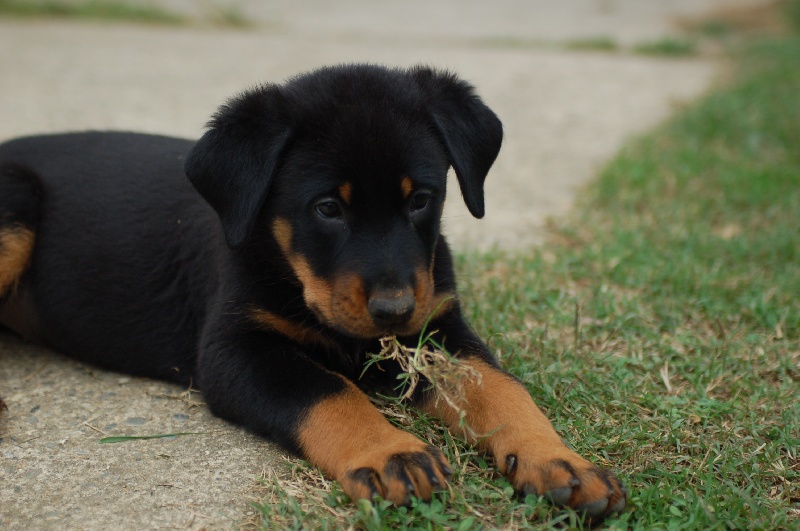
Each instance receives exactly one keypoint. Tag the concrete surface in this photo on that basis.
(565, 113)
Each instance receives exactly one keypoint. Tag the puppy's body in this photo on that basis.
(118, 278)
(314, 233)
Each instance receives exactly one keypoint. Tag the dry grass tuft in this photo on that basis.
(445, 373)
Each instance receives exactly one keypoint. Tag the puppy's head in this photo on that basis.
(346, 168)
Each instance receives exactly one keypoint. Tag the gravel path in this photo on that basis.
(565, 114)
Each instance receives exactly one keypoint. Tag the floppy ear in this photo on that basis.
(233, 163)
(472, 133)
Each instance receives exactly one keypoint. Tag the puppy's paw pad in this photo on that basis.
(593, 509)
(560, 496)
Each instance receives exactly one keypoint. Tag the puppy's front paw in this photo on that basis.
(566, 480)
(396, 471)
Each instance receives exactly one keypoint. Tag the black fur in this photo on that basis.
(21, 193)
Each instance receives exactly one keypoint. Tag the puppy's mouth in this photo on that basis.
(373, 332)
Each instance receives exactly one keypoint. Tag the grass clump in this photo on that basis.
(660, 331)
(430, 361)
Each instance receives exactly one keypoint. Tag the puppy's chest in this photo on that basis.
(359, 362)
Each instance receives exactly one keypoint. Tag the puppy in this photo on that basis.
(308, 229)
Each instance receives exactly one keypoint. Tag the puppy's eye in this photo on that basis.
(419, 201)
(328, 209)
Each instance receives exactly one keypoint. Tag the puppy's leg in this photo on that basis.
(267, 384)
(503, 419)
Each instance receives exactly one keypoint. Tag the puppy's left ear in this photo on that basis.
(472, 133)
(234, 162)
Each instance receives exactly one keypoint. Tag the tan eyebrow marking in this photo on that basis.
(346, 192)
(406, 186)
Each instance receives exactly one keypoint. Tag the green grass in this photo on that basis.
(598, 44)
(229, 17)
(660, 330)
(714, 28)
(602, 44)
(110, 10)
(667, 47)
(122, 11)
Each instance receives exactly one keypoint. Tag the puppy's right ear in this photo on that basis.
(234, 162)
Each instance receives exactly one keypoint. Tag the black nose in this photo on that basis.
(391, 307)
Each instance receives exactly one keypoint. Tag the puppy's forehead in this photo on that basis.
(352, 155)
(362, 135)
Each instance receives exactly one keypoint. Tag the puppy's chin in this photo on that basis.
(361, 329)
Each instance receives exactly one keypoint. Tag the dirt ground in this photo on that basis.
(565, 113)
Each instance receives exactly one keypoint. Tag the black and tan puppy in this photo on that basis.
(308, 228)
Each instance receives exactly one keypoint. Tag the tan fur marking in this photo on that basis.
(407, 186)
(501, 412)
(426, 302)
(349, 306)
(294, 331)
(441, 304)
(342, 302)
(16, 248)
(317, 292)
(503, 419)
(346, 192)
(282, 231)
(345, 432)
(340, 428)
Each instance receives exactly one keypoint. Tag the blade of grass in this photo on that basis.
(125, 438)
